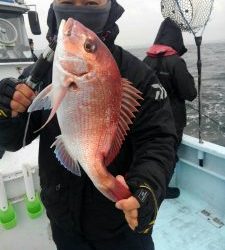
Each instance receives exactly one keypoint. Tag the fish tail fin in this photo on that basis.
(110, 186)
(120, 191)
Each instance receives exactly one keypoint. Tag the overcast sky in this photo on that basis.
(140, 22)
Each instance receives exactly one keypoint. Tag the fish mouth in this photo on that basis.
(73, 65)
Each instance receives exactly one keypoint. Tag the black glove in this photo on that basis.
(7, 90)
(148, 208)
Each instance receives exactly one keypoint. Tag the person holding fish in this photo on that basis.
(106, 157)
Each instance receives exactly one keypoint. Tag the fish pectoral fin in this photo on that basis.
(42, 100)
(45, 100)
(64, 158)
(130, 97)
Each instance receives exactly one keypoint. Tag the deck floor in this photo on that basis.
(180, 225)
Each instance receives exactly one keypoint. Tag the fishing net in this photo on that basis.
(189, 15)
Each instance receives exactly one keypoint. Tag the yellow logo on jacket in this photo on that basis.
(2, 113)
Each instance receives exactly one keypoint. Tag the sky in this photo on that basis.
(140, 22)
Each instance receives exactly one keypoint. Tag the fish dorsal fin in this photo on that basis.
(63, 156)
(130, 97)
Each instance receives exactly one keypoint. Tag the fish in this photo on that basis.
(94, 106)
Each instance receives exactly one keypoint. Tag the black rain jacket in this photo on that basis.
(172, 71)
(147, 155)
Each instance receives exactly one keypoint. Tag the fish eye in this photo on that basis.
(90, 46)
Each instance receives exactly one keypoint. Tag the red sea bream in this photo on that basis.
(94, 106)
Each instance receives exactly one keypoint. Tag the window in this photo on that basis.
(14, 45)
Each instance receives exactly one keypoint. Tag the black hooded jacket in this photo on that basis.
(164, 58)
(147, 156)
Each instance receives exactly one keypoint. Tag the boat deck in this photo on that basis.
(181, 224)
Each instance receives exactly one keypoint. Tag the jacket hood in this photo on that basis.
(115, 13)
(111, 29)
(170, 34)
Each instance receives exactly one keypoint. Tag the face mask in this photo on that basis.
(93, 17)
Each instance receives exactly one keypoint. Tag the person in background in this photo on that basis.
(31, 43)
(164, 57)
(80, 216)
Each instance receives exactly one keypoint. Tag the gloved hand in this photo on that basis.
(148, 208)
(15, 97)
(140, 210)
